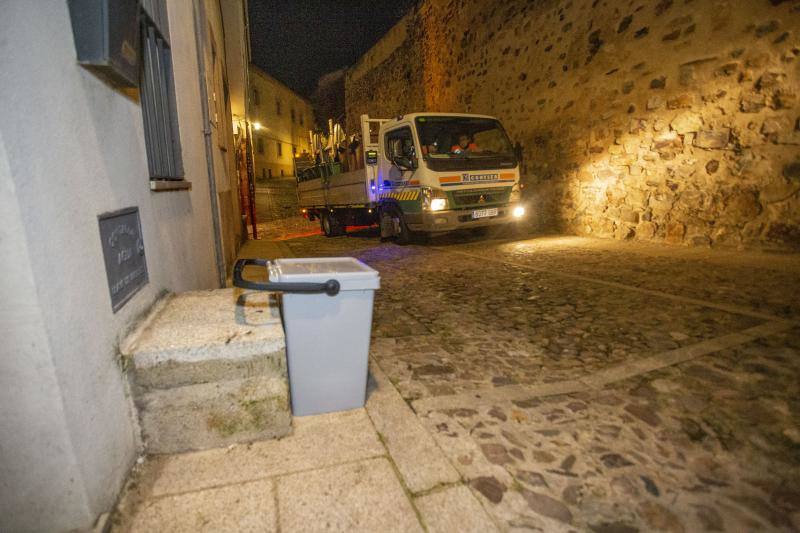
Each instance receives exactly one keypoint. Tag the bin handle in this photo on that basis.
(330, 287)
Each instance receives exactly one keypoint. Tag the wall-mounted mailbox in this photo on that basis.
(106, 36)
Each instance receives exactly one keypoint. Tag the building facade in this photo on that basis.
(280, 121)
(77, 151)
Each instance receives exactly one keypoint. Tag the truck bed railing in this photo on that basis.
(322, 170)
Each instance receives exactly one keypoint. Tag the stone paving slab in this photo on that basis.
(238, 508)
(264, 249)
(173, 492)
(317, 441)
(454, 509)
(418, 459)
(364, 496)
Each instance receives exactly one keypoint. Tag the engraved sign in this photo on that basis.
(123, 251)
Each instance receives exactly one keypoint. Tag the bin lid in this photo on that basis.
(352, 274)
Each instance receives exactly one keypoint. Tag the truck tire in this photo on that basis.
(400, 231)
(330, 224)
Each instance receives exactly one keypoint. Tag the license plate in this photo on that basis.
(483, 213)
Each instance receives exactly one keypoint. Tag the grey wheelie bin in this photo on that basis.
(327, 316)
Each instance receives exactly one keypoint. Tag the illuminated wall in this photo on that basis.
(674, 121)
(284, 118)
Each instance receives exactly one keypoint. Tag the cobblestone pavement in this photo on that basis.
(281, 230)
(580, 384)
(276, 198)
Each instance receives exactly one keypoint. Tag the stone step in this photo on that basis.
(215, 414)
(209, 370)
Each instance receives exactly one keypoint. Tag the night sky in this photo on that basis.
(297, 41)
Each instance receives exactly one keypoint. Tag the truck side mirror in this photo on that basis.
(518, 152)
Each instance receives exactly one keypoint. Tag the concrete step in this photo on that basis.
(209, 370)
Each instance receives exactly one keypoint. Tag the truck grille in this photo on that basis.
(497, 195)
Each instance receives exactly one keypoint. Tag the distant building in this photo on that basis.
(280, 120)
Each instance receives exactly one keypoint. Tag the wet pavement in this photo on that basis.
(583, 384)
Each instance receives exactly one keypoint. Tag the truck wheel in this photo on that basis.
(385, 224)
(330, 224)
(402, 235)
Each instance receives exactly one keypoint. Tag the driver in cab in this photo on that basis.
(465, 145)
(431, 148)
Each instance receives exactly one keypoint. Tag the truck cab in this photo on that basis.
(439, 172)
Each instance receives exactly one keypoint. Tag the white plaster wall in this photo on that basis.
(74, 148)
(30, 399)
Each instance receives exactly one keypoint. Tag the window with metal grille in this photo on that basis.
(260, 145)
(280, 149)
(157, 94)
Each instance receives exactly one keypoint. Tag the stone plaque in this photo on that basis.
(123, 251)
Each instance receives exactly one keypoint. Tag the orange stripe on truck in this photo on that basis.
(507, 176)
(449, 179)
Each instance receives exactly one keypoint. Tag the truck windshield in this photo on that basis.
(464, 143)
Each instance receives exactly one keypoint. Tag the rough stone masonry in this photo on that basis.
(666, 120)
(209, 370)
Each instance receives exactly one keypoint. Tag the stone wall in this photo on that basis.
(327, 100)
(667, 120)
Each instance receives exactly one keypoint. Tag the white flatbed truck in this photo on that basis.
(421, 173)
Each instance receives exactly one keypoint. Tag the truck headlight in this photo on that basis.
(433, 199)
(518, 212)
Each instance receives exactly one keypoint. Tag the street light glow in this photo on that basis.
(256, 126)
